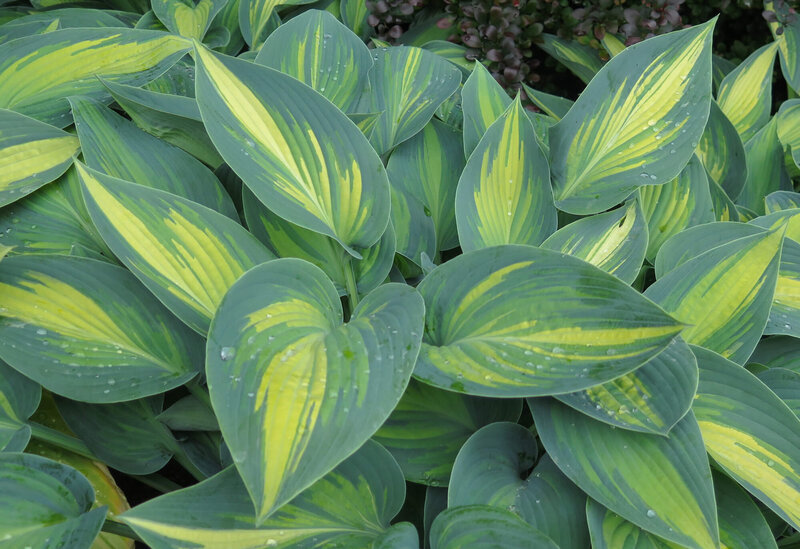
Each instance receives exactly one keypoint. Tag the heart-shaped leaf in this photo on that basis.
(294, 389)
(187, 18)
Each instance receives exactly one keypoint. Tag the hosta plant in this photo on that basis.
(262, 285)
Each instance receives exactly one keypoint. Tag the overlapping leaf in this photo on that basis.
(484, 526)
(187, 18)
(722, 152)
(483, 100)
(766, 172)
(19, 397)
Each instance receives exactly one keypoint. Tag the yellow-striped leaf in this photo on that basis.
(745, 95)
(32, 154)
(37, 73)
(724, 294)
(427, 167)
(186, 254)
(319, 51)
(741, 523)
(789, 127)
(415, 232)
(614, 241)
(354, 15)
(672, 207)
(788, 42)
(257, 19)
(407, 85)
(750, 433)
(517, 320)
(189, 18)
(285, 239)
(784, 316)
(580, 59)
(651, 399)
(504, 194)
(724, 208)
(644, 132)
(612, 43)
(790, 218)
(349, 507)
(455, 53)
(483, 100)
(498, 466)
(553, 105)
(296, 151)
(295, 390)
(21, 29)
(781, 200)
(722, 152)
(765, 169)
(627, 471)
(611, 531)
(115, 146)
(88, 330)
(19, 398)
(484, 526)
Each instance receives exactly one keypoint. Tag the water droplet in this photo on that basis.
(111, 382)
(226, 353)
(41, 332)
(651, 122)
(651, 513)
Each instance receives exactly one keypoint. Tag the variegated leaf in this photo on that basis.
(484, 526)
(483, 100)
(19, 398)
(789, 127)
(781, 200)
(580, 59)
(189, 18)
(765, 170)
(722, 152)
(553, 105)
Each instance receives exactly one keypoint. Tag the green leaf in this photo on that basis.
(257, 19)
(722, 152)
(483, 101)
(787, 46)
(504, 195)
(427, 166)
(627, 471)
(20, 29)
(37, 73)
(781, 200)
(581, 60)
(428, 427)
(788, 118)
(114, 146)
(186, 254)
(46, 504)
(614, 241)
(296, 151)
(514, 321)
(88, 330)
(286, 239)
(354, 15)
(785, 384)
(485, 526)
(644, 132)
(651, 399)
(415, 232)
(32, 154)
(609, 531)
(127, 435)
(724, 208)
(189, 414)
(741, 524)
(455, 53)
(778, 352)
(745, 95)
(784, 316)
(407, 85)
(291, 385)
(496, 467)
(750, 433)
(187, 18)
(349, 507)
(553, 105)
(724, 294)
(19, 398)
(766, 172)
(172, 118)
(320, 51)
(672, 207)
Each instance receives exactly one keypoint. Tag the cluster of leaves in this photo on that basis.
(313, 275)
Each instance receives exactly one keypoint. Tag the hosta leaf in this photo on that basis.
(427, 166)
(590, 454)
(778, 352)
(722, 152)
(614, 241)
(348, 507)
(672, 207)
(552, 105)
(581, 60)
(611, 531)
(291, 385)
(319, 51)
(496, 467)
(186, 254)
(172, 118)
(788, 129)
(787, 46)
(257, 19)
(354, 15)
(485, 526)
(189, 414)
(415, 232)
(228, 17)
(790, 218)
(113, 145)
(724, 294)
(504, 195)
(750, 433)
(295, 150)
(766, 172)
(32, 154)
(741, 524)
(177, 80)
(784, 316)
(37, 73)
(724, 208)
(644, 132)
(19, 397)
(188, 18)
(127, 435)
(785, 384)
(455, 53)
(407, 85)
(429, 426)
(88, 330)
(435, 503)
(517, 320)
(21, 29)
(650, 399)
(483, 100)
(781, 200)
(72, 17)
(745, 95)
(286, 239)
(45, 504)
